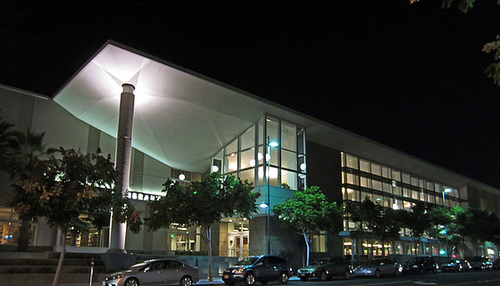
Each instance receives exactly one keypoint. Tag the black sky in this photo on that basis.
(408, 76)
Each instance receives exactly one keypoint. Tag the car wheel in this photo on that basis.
(186, 281)
(303, 278)
(132, 282)
(323, 276)
(283, 278)
(377, 274)
(249, 279)
(347, 275)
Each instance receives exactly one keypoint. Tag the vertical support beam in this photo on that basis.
(122, 162)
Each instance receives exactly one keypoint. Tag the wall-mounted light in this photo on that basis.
(182, 177)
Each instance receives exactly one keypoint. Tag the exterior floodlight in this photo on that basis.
(448, 190)
(263, 205)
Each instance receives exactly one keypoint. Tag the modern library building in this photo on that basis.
(183, 125)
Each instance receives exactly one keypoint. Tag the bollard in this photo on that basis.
(91, 270)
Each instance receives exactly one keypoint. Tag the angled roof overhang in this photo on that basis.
(181, 118)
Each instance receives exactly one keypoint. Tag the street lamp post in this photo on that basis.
(444, 192)
(270, 144)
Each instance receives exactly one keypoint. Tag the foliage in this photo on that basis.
(7, 139)
(375, 219)
(202, 204)
(63, 188)
(493, 69)
(479, 225)
(445, 226)
(308, 212)
(417, 220)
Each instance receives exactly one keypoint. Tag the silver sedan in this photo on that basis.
(154, 272)
(378, 267)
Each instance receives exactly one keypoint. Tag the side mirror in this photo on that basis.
(146, 269)
(382, 263)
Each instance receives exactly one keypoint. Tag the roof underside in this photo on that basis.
(181, 119)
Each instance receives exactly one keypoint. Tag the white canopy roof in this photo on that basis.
(181, 118)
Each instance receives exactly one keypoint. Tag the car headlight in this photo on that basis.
(115, 277)
(238, 270)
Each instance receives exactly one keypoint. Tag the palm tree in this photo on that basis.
(20, 151)
(7, 139)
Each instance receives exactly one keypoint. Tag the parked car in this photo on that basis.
(378, 267)
(455, 265)
(326, 268)
(420, 265)
(154, 272)
(258, 268)
(480, 263)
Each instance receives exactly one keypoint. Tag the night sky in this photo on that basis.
(408, 76)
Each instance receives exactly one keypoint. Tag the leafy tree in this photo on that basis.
(308, 212)
(374, 220)
(445, 226)
(25, 147)
(387, 224)
(71, 191)
(479, 225)
(203, 204)
(417, 220)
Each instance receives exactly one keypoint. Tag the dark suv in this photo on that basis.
(420, 265)
(326, 268)
(258, 268)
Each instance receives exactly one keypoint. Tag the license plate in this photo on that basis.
(226, 276)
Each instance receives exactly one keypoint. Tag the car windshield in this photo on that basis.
(247, 261)
(320, 262)
(138, 266)
(414, 260)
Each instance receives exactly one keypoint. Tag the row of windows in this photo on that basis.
(395, 176)
(362, 178)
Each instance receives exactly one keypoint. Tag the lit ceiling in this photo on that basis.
(181, 119)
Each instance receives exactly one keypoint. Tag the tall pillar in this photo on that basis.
(122, 162)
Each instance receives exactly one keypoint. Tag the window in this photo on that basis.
(376, 169)
(288, 136)
(351, 161)
(364, 166)
(247, 139)
(247, 159)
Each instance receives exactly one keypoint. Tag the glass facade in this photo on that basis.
(391, 188)
(251, 157)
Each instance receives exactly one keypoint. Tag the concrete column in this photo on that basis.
(122, 162)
